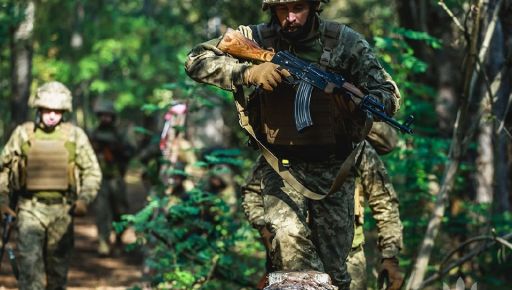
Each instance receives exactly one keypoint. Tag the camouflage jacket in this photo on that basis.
(86, 164)
(352, 57)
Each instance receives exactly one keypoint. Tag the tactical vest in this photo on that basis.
(276, 118)
(279, 128)
(49, 159)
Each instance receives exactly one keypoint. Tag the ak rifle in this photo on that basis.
(307, 75)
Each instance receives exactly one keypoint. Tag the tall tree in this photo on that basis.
(21, 61)
(461, 137)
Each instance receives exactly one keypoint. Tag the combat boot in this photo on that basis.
(103, 248)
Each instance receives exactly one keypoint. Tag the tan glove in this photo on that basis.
(390, 271)
(6, 210)
(79, 209)
(266, 75)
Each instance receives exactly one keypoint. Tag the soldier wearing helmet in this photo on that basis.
(49, 168)
(309, 215)
(113, 152)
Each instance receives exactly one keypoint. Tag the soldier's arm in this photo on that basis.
(88, 167)
(207, 64)
(354, 55)
(11, 150)
(383, 202)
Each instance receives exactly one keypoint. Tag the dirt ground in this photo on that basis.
(121, 270)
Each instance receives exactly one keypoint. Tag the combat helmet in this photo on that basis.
(53, 95)
(104, 106)
(267, 3)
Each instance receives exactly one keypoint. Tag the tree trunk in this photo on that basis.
(21, 64)
(80, 92)
(484, 163)
(460, 141)
(501, 108)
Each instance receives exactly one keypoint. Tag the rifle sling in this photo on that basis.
(286, 175)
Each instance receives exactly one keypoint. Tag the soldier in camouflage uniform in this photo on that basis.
(376, 188)
(372, 185)
(307, 234)
(113, 154)
(50, 166)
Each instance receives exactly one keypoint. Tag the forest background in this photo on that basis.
(451, 60)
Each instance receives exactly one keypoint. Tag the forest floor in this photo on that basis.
(120, 270)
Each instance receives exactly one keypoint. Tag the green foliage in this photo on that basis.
(133, 52)
(195, 242)
(399, 60)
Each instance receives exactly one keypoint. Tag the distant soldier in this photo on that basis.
(113, 153)
(178, 156)
(373, 184)
(50, 166)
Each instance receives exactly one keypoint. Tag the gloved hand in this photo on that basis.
(390, 270)
(6, 210)
(267, 75)
(79, 208)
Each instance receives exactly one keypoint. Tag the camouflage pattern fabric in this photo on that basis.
(252, 200)
(45, 235)
(45, 241)
(310, 235)
(356, 265)
(382, 200)
(207, 64)
(377, 190)
(53, 95)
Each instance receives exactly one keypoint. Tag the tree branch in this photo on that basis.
(443, 271)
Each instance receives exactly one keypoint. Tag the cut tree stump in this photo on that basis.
(307, 280)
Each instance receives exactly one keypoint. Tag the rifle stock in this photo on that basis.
(239, 46)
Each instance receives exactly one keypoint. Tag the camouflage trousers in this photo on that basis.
(44, 244)
(356, 264)
(111, 202)
(309, 234)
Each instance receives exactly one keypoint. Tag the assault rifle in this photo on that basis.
(6, 227)
(307, 75)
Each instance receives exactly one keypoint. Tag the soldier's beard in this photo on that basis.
(301, 32)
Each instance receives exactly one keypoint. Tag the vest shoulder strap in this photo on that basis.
(266, 35)
(330, 34)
